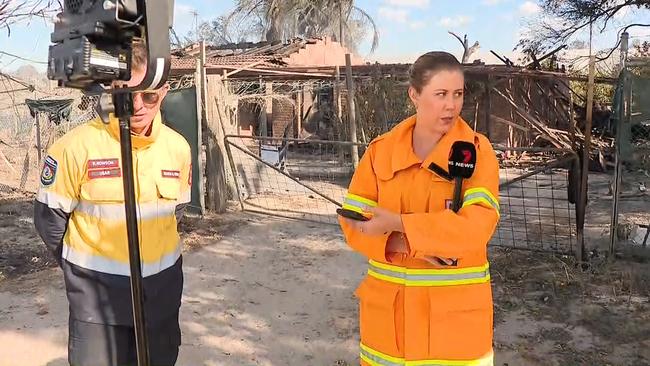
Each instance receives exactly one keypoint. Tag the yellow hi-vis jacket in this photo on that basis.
(81, 182)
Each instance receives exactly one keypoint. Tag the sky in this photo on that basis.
(407, 28)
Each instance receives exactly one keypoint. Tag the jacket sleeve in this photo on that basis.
(185, 196)
(361, 193)
(51, 225)
(57, 197)
(455, 235)
(186, 176)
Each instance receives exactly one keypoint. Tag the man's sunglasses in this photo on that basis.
(148, 96)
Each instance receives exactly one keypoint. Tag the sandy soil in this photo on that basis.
(269, 291)
(263, 290)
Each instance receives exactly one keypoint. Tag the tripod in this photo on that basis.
(123, 102)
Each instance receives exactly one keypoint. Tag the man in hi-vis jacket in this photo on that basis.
(79, 213)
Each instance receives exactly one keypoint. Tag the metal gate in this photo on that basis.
(307, 179)
(293, 178)
(538, 192)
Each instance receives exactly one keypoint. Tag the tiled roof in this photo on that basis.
(241, 54)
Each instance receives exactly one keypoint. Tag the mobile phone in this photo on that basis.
(351, 214)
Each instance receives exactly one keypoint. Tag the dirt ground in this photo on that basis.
(268, 291)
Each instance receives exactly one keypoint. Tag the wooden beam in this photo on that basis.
(352, 118)
(560, 113)
(247, 67)
(504, 59)
(539, 60)
(509, 123)
(199, 84)
(298, 108)
(269, 71)
(219, 188)
(487, 102)
(268, 109)
(537, 125)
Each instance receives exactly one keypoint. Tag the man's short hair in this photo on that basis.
(138, 54)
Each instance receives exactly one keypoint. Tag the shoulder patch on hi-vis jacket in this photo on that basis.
(48, 174)
(171, 174)
(448, 204)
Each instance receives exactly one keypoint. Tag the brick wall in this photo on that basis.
(283, 116)
(325, 52)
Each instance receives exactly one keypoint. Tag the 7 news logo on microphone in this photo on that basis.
(462, 159)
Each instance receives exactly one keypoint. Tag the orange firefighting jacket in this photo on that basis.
(413, 312)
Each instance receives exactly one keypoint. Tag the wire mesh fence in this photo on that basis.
(299, 179)
(307, 180)
(19, 143)
(19, 150)
(538, 193)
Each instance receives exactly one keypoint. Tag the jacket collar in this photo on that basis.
(138, 142)
(401, 146)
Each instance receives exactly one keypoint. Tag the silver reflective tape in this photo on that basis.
(354, 203)
(379, 360)
(430, 277)
(111, 266)
(55, 201)
(481, 195)
(116, 211)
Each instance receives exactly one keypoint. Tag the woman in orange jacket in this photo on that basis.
(427, 298)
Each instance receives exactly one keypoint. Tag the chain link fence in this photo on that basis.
(307, 180)
(19, 150)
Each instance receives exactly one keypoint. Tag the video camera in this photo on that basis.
(92, 43)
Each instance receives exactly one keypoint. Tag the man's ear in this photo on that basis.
(164, 90)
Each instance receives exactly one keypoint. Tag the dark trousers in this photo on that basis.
(92, 344)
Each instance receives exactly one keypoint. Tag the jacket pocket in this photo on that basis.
(168, 188)
(168, 195)
(460, 322)
(103, 190)
(377, 320)
(441, 194)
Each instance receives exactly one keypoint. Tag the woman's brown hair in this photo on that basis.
(430, 63)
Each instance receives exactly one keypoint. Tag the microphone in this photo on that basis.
(462, 162)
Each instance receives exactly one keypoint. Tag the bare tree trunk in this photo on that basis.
(274, 33)
(467, 50)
